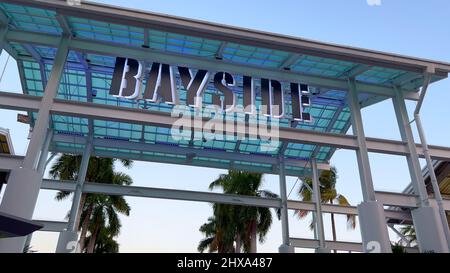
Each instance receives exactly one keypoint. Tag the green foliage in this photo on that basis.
(98, 211)
(398, 249)
(409, 232)
(240, 225)
(328, 194)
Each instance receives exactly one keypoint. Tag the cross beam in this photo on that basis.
(196, 152)
(209, 197)
(150, 55)
(139, 116)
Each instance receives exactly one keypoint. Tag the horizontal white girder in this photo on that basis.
(51, 226)
(183, 162)
(208, 30)
(397, 199)
(209, 197)
(160, 148)
(335, 245)
(10, 162)
(150, 55)
(332, 245)
(146, 117)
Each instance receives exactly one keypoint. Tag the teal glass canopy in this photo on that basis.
(87, 78)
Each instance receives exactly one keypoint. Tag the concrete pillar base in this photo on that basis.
(286, 249)
(20, 198)
(429, 230)
(374, 231)
(67, 242)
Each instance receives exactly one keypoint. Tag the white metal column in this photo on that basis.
(41, 169)
(23, 186)
(412, 159)
(428, 226)
(285, 247)
(67, 242)
(372, 221)
(44, 154)
(426, 153)
(318, 201)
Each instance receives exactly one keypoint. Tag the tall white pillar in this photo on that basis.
(24, 183)
(426, 219)
(372, 221)
(286, 246)
(67, 241)
(318, 201)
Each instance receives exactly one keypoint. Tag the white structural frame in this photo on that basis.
(31, 167)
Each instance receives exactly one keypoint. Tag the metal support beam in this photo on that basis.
(52, 156)
(318, 202)
(181, 195)
(69, 237)
(196, 152)
(141, 116)
(430, 166)
(23, 184)
(412, 157)
(372, 220)
(433, 180)
(394, 199)
(285, 247)
(362, 152)
(51, 226)
(336, 245)
(290, 61)
(64, 24)
(24, 85)
(50, 93)
(44, 154)
(429, 228)
(201, 29)
(74, 211)
(328, 129)
(399, 234)
(146, 38)
(209, 197)
(355, 71)
(10, 162)
(219, 53)
(144, 54)
(406, 79)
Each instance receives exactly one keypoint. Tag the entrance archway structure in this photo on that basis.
(67, 56)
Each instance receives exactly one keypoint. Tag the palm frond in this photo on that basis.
(351, 219)
(62, 195)
(204, 244)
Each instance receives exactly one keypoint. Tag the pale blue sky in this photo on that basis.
(417, 28)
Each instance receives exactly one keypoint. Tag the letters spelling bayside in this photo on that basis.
(161, 85)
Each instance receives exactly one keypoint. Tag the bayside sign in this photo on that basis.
(161, 85)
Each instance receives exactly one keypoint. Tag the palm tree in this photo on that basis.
(328, 194)
(214, 240)
(410, 233)
(100, 170)
(105, 218)
(105, 243)
(241, 225)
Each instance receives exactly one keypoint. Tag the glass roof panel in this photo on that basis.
(31, 19)
(107, 32)
(87, 77)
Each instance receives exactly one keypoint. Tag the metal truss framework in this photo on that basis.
(20, 102)
(32, 165)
